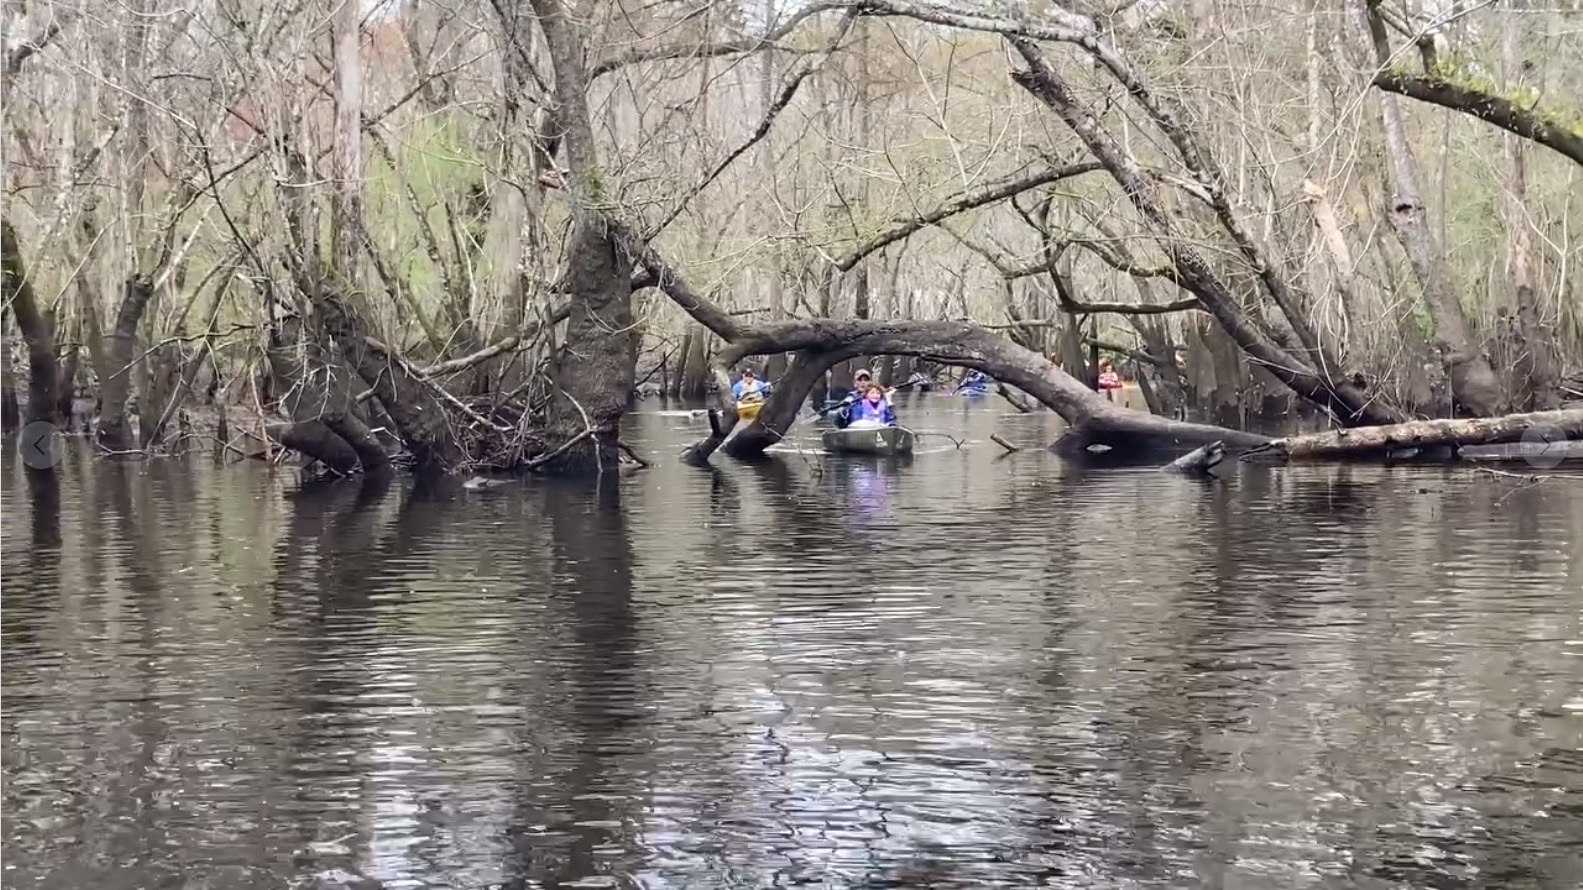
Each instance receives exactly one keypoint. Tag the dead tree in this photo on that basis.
(1540, 427)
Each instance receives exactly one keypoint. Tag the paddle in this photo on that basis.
(821, 412)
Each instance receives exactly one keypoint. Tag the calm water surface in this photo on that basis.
(960, 671)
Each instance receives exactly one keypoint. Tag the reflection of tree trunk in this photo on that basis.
(130, 798)
(592, 549)
(592, 553)
(322, 578)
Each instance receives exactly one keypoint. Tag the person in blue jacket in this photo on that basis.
(749, 386)
(974, 381)
(872, 407)
(860, 385)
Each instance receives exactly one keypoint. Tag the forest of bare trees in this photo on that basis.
(461, 234)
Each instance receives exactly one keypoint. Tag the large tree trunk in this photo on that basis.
(593, 371)
(1534, 367)
(38, 330)
(120, 356)
(420, 420)
(1473, 381)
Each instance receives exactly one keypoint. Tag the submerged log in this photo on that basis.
(1378, 442)
(316, 440)
(1200, 461)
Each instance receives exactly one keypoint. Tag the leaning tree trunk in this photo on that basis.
(1346, 402)
(1473, 381)
(323, 428)
(409, 401)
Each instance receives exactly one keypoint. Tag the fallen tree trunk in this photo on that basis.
(1377, 442)
(820, 344)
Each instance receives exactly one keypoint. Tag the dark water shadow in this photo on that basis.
(592, 562)
(132, 801)
(29, 588)
(323, 616)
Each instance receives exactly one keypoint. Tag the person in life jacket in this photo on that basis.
(750, 388)
(873, 407)
(860, 384)
(1108, 378)
(975, 380)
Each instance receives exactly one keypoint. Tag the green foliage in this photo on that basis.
(439, 163)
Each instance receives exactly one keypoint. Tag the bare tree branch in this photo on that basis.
(741, 46)
(1548, 128)
(25, 50)
(989, 193)
(787, 93)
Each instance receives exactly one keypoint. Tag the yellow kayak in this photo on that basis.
(749, 410)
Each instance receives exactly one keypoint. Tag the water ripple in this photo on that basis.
(952, 672)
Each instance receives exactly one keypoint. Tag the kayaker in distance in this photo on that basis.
(1109, 380)
(750, 388)
(749, 393)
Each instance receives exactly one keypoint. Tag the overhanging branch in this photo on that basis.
(1544, 128)
(988, 193)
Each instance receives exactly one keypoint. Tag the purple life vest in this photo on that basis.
(867, 410)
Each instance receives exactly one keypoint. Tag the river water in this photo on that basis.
(965, 670)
